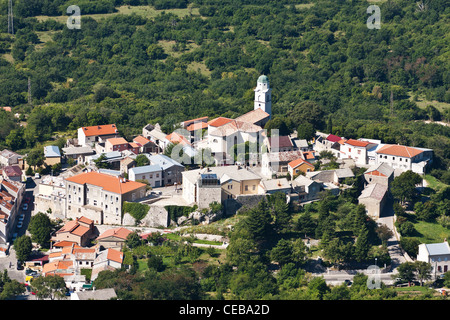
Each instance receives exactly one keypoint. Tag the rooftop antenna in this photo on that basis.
(10, 18)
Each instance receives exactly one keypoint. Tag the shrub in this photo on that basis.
(137, 210)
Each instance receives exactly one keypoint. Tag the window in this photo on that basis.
(254, 188)
(359, 151)
(151, 176)
(246, 188)
(143, 177)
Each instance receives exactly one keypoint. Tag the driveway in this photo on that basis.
(387, 218)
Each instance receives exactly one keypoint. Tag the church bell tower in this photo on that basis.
(263, 98)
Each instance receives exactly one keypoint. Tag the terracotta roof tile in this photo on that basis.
(117, 141)
(120, 232)
(106, 181)
(295, 163)
(218, 122)
(399, 151)
(106, 129)
(357, 143)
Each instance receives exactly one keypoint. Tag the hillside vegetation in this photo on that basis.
(135, 62)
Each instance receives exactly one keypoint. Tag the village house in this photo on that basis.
(77, 153)
(151, 173)
(382, 174)
(204, 186)
(336, 176)
(108, 259)
(436, 254)
(279, 144)
(12, 173)
(126, 164)
(80, 231)
(272, 186)
(51, 195)
(171, 169)
(145, 145)
(356, 150)
(113, 238)
(87, 136)
(276, 163)
(299, 165)
(9, 158)
(307, 189)
(374, 197)
(100, 196)
(52, 155)
(11, 196)
(154, 134)
(405, 158)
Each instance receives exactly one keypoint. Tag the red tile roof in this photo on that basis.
(220, 121)
(295, 163)
(106, 129)
(333, 138)
(357, 143)
(117, 141)
(399, 151)
(141, 140)
(175, 137)
(114, 255)
(197, 126)
(106, 181)
(120, 233)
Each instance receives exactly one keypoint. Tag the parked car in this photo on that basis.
(19, 265)
(25, 207)
(21, 217)
(37, 176)
(14, 237)
(20, 224)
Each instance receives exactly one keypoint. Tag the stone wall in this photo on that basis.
(233, 206)
(157, 216)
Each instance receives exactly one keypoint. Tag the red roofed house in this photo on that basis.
(90, 135)
(109, 259)
(79, 231)
(299, 165)
(100, 196)
(187, 123)
(13, 173)
(146, 145)
(405, 158)
(113, 238)
(357, 150)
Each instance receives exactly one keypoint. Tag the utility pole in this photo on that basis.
(10, 18)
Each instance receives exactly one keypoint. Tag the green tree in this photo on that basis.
(282, 252)
(40, 228)
(404, 186)
(423, 270)
(133, 240)
(23, 247)
(362, 245)
(306, 131)
(406, 272)
(155, 262)
(306, 224)
(142, 160)
(49, 287)
(317, 288)
(11, 289)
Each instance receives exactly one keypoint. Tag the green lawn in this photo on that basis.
(431, 232)
(434, 183)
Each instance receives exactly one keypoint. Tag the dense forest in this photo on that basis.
(192, 58)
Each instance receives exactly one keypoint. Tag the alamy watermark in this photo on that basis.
(74, 21)
(374, 21)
